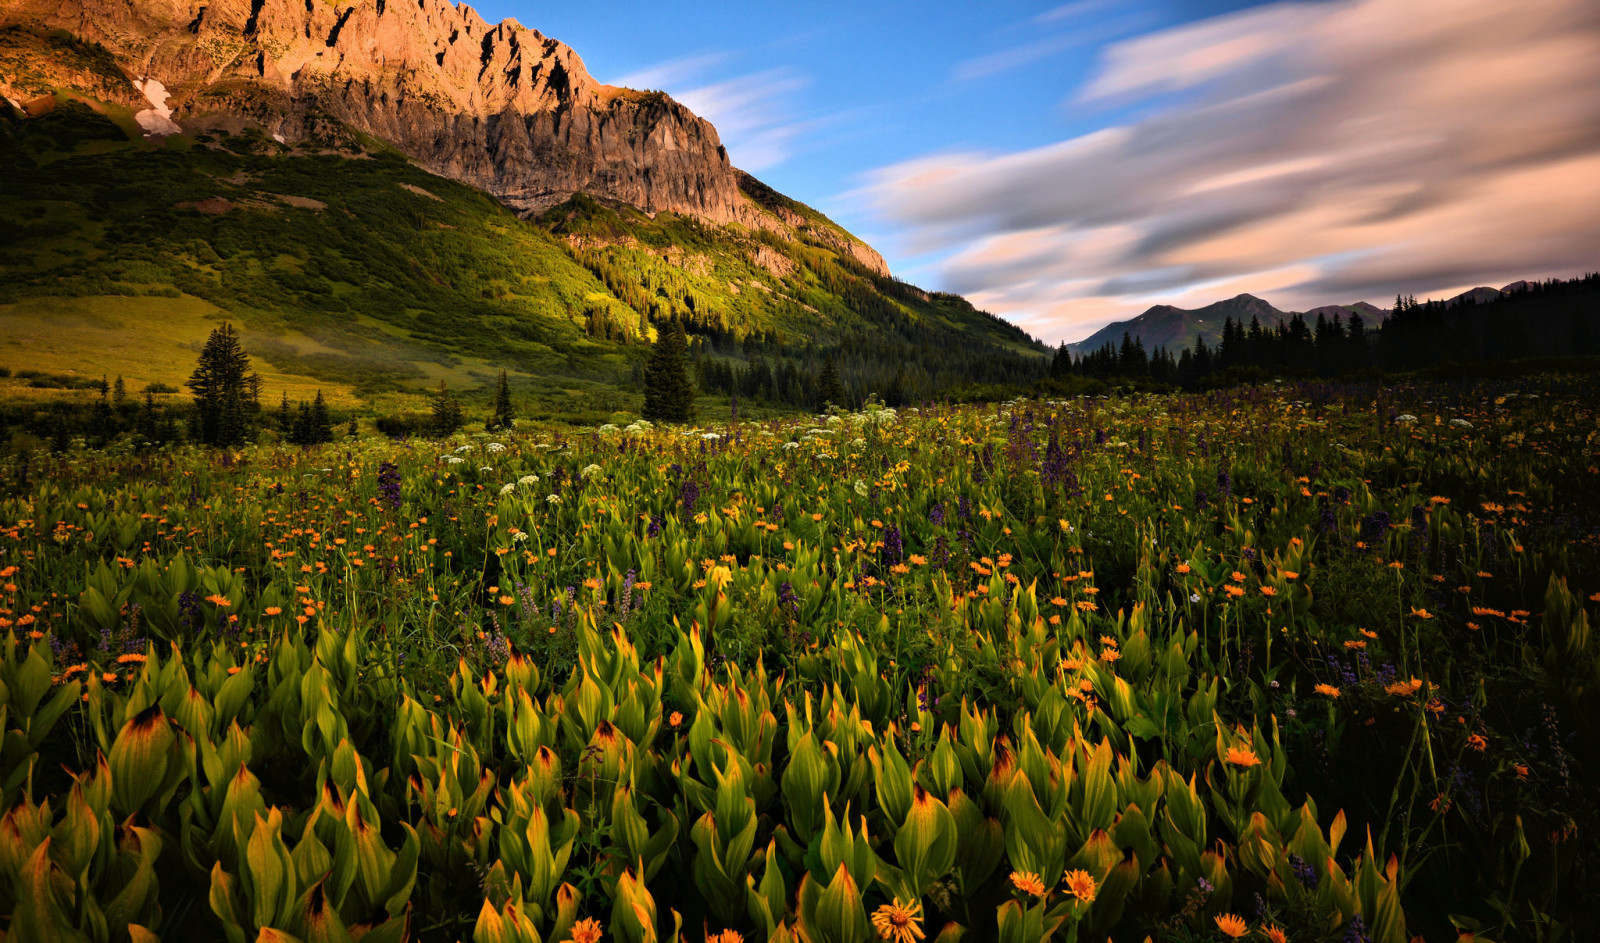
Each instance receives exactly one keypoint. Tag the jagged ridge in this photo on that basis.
(501, 107)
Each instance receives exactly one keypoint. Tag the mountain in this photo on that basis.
(501, 107)
(385, 195)
(1176, 328)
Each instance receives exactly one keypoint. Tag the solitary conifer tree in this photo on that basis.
(219, 387)
(668, 391)
(501, 417)
(446, 411)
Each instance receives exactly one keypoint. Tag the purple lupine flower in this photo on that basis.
(893, 547)
(936, 514)
(1374, 527)
(389, 484)
(1357, 931)
(787, 598)
(1304, 872)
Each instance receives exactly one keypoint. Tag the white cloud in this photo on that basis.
(1321, 152)
(664, 76)
(752, 112)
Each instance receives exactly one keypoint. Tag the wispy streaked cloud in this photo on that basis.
(752, 112)
(1016, 57)
(1307, 152)
(664, 76)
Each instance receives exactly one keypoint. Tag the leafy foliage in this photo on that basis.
(1316, 659)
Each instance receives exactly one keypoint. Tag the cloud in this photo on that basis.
(664, 76)
(751, 115)
(751, 112)
(1324, 152)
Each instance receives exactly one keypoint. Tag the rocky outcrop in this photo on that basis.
(501, 107)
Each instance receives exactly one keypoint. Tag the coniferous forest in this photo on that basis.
(1557, 318)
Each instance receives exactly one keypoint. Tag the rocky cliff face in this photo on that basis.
(501, 107)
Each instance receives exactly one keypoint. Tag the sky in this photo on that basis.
(1068, 165)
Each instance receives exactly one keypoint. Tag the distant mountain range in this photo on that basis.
(1176, 328)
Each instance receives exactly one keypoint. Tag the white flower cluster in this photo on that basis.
(528, 480)
(588, 470)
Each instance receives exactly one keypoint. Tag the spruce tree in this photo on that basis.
(219, 387)
(300, 432)
(829, 392)
(668, 391)
(500, 417)
(147, 419)
(321, 428)
(446, 411)
(119, 391)
(285, 420)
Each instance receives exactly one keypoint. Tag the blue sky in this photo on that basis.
(967, 141)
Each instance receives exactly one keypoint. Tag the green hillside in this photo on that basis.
(350, 269)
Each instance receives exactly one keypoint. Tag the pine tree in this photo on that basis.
(300, 433)
(829, 392)
(446, 411)
(320, 428)
(285, 420)
(219, 387)
(351, 432)
(119, 391)
(668, 391)
(147, 419)
(501, 418)
(1061, 363)
(102, 421)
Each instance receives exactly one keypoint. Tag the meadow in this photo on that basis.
(1306, 662)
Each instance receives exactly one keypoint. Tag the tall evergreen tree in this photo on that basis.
(219, 387)
(446, 411)
(829, 390)
(119, 391)
(500, 417)
(147, 419)
(321, 427)
(668, 391)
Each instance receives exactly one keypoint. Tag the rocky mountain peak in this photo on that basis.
(499, 106)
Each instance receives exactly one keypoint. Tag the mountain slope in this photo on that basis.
(361, 272)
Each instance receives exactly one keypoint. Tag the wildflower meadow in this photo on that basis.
(1296, 662)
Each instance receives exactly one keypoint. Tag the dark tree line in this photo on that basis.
(1556, 318)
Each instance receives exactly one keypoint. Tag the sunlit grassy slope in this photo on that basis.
(355, 272)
